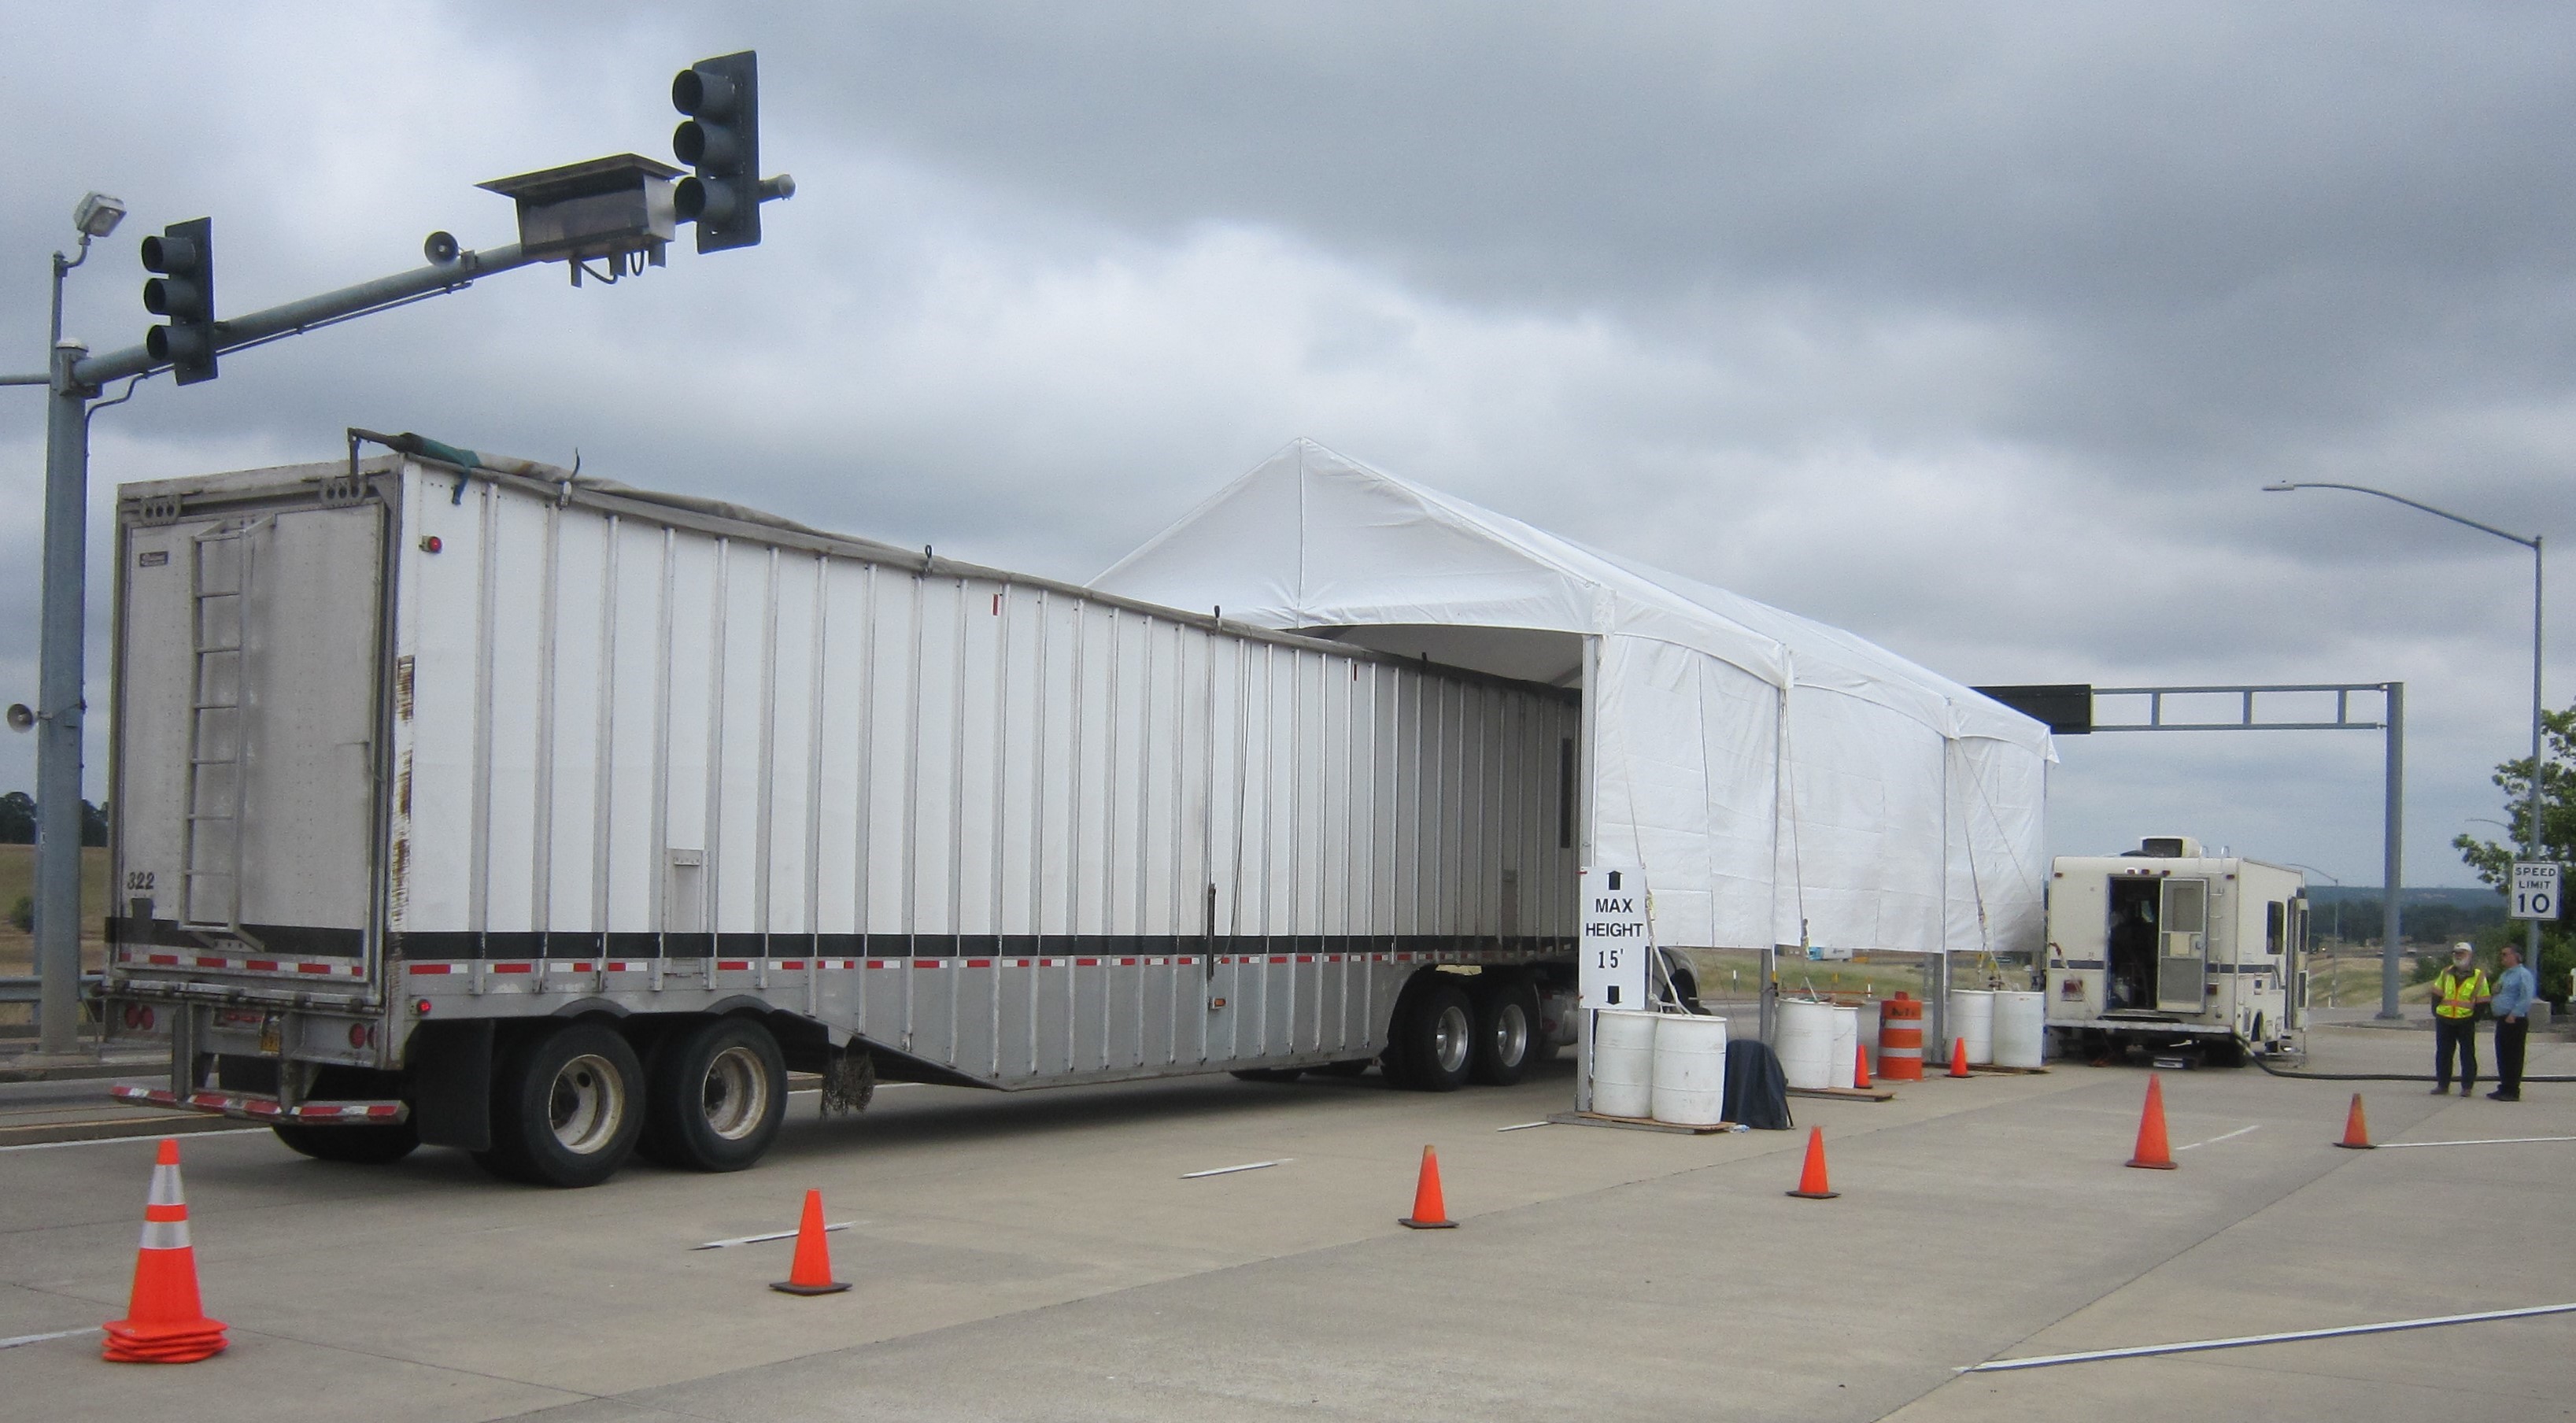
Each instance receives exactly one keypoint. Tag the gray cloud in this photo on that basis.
(1972, 328)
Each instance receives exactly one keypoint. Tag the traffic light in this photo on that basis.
(184, 255)
(721, 140)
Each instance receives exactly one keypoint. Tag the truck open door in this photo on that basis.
(2182, 969)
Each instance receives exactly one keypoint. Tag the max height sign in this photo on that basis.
(1613, 951)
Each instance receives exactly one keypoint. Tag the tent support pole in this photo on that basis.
(1770, 989)
(1589, 802)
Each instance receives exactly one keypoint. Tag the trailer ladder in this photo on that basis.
(218, 729)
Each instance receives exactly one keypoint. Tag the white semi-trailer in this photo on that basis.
(2164, 945)
(463, 801)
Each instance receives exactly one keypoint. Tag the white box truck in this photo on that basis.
(463, 801)
(2164, 945)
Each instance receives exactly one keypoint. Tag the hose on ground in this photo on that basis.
(2259, 1061)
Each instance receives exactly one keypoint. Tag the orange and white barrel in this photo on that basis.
(1900, 1039)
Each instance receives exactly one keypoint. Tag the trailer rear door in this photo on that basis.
(247, 715)
(2182, 970)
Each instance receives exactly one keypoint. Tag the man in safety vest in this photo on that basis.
(2458, 993)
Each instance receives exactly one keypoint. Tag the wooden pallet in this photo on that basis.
(1596, 1119)
(1848, 1094)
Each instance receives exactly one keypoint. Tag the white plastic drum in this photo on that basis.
(1623, 1062)
(1846, 1056)
(2021, 1027)
(1690, 1070)
(1972, 1016)
(1806, 1045)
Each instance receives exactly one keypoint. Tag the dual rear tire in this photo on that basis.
(572, 1101)
(1450, 1030)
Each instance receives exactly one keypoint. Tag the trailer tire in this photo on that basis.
(715, 1096)
(1435, 1036)
(1507, 1030)
(567, 1106)
(378, 1145)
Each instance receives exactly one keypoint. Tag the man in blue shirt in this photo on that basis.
(2512, 1008)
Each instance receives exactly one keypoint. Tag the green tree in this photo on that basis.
(17, 819)
(2557, 839)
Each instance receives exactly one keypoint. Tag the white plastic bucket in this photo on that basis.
(1841, 1065)
(1690, 1070)
(1972, 1017)
(2021, 1028)
(1806, 1045)
(1623, 1062)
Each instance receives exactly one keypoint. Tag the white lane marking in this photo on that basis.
(773, 1235)
(41, 1338)
(154, 1139)
(1524, 1126)
(2482, 1141)
(2213, 1141)
(2042, 1361)
(1230, 1170)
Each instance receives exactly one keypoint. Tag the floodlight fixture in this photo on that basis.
(97, 214)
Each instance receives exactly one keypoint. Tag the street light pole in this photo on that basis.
(2531, 810)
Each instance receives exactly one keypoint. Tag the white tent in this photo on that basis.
(1777, 781)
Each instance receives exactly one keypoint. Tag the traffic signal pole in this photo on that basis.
(296, 317)
(58, 705)
(722, 140)
(73, 383)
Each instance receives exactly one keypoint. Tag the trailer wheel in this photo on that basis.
(1506, 1031)
(567, 1105)
(358, 1146)
(1435, 1036)
(717, 1094)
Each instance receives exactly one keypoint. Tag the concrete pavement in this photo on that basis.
(1039, 1256)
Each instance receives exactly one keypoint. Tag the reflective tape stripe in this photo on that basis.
(165, 1235)
(165, 1187)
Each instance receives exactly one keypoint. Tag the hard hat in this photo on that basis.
(2459, 949)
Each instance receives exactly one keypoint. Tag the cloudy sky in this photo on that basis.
(1973, 328)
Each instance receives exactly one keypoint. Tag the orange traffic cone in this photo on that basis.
(2356, 1132)
(811, 1271)
(1430, 1212)
(164, 1323)
(2153, 1154)
(1958, 1057)
(1812, 1185)
(1860, 1066)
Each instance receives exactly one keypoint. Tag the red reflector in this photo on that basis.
(359, 1033)
(432, 544)
(144, 1019)
(421, 1007)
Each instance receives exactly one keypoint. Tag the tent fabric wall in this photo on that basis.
(1778, 781)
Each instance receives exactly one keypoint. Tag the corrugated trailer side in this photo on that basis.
(651, 769)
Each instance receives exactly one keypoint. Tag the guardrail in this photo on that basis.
(28, 988)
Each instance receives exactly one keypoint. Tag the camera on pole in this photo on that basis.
(721, 141)
(184, 255)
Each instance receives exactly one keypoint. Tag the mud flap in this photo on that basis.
(451, 1084)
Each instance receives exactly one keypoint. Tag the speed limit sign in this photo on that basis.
(2535, 890)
